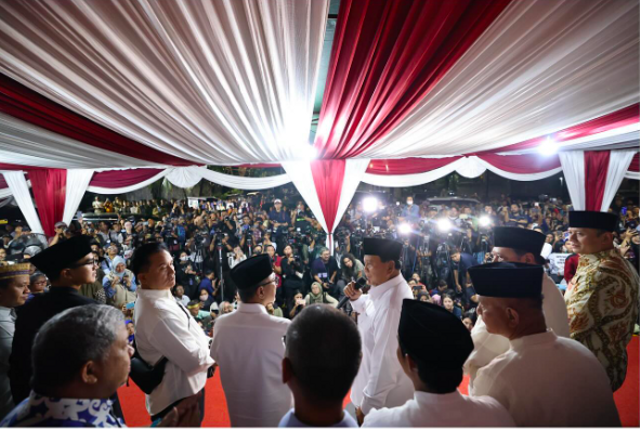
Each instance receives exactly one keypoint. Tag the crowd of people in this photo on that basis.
(249, 267)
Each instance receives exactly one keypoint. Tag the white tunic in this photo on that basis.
(164, 328)
(488, 346)
(380, 381)
(544, 380)
(448, 410)
(248, 346)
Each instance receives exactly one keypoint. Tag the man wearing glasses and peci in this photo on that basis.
(68, 265)
(248, 347)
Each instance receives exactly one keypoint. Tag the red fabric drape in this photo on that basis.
(386, 56)
(635, 163)
(621, 118)
(49, 190)
(3, 183)
(121, 178)
(27, 105)
(596, 165)
(408, 165)
(328, 176)
(522, 164)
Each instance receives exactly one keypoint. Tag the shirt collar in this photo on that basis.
(7, 313)
(377, 291)
(244, 307)
(436, 398)
(605, 254)
(532, 340)
(154, 293)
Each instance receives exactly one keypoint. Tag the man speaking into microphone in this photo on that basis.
(380, 381)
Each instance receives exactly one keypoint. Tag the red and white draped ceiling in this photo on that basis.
(108, 96)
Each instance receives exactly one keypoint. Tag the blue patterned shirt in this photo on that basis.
(40, 411)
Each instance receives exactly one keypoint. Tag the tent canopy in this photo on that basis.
(174, 86)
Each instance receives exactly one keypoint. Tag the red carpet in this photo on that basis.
(627, 398)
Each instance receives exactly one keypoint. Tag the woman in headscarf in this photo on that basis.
(318, 296)
(119, 284)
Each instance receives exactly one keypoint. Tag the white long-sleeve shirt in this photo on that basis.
(544, 380)
(488, 346)
(164, 328)
(380, 381)
(447, 410)
(248, 347)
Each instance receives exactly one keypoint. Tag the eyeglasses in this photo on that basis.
(81, 264)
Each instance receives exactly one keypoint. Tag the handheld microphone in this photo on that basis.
(359, 285)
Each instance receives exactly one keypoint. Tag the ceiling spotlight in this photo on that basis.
(548, 147)
(370, 204)
(444, 225)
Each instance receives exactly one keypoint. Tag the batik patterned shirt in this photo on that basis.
(602, 304)
(40, 411)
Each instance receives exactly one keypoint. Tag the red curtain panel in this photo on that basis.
(386, 57)
(596, 165)
(408, 165)
(522, 164)
(21, 102)
(121, 178)
(635, 163)
(328, 176)
(49, 190)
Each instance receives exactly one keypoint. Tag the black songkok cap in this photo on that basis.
(518, 238)
(433, 336)
(62, 255)
(251, 272)
(387, 250)
(595, 220)
(507, 280)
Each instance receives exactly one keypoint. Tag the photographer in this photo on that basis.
(318, 296)
(325, 271)
(296, 305)
(60, 229)
(119, 284)
(238, 256)
(352, 269)
(292, 272)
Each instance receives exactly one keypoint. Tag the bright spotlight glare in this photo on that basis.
(404, 228)
(308, 152)
(485, 221)
(548, 147)
(444, 225)
(370, 204)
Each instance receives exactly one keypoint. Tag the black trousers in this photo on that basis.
(167, 410)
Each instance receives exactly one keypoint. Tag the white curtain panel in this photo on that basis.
(246, 183)
(619, 162)
(26, 144)
(125, 189)
(7, 201)
(520, 177)
(185, 177)
(573, 168)
(77, 184)
(302, 178)
(542, 66)
(354, 171)
(470, 167)
(211, 81)
(20, 190)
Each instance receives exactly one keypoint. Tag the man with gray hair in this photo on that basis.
(80, 358)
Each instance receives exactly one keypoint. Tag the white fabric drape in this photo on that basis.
(542, 66)
(210, 81)
(302, 178)
(26, 144)
(633, 175)
(573, 169)
(77, 184)
(354, 171)
(6, 192)
(619, 161)
(519, 177)
(246, 183)
(20, 190)
(6, 201)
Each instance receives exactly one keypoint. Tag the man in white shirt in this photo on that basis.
(381, 382)
(248, 347)
(322, 357)
(525, 246)
(433, 345)
(164, 328)
(542, 380)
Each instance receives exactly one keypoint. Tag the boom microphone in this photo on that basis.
(359, 285)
